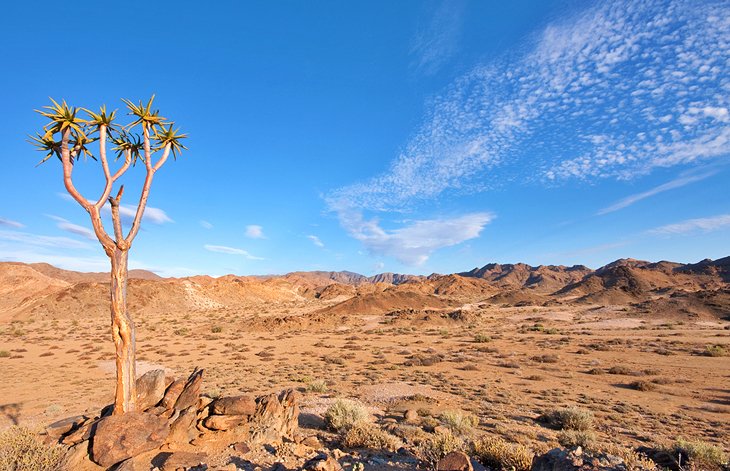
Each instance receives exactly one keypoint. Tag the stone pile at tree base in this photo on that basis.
(171, 421)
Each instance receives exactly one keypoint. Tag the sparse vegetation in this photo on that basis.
(367, 435)
(4, 354)
(715, 351)
(317, 386)
(574, 438)
(22, 450)
(459, 422)
(499, 454)
(437, 446)
(699, 454)
(345, 413)
(569, 418)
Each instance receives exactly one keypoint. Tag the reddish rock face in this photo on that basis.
(119, 437)
(237, 405)
(172, 393)
(455, 461)
(191, 392)
(150, 389)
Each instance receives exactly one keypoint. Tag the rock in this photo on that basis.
(237, 405)
(560, 459)
(322, 462)
(241, 448)
(172, 393)
(312, 442)
(60, 428)
(77, 457)
(411, 416)
(224, 422)
(455, 461)
(183, 429)
(123, 436)
(276, 417)
(150, 389)
(191, 391)
(441, 429)
(180, 460)
(83, 432)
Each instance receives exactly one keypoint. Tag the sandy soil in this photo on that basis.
(506, 365)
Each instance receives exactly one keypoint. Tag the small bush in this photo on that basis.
(499, 454)
(317, 386)
(619, 370)
(459, 422)
(367, 435)
(701, 455)
(570, 418)
(437, 446)
(547, 358)
(4, 354)
(643, 386)
(216, 329)
(22, 450)
(482, 338)
(575, 438)
(344, 413)
(632, 458)
(715, 351)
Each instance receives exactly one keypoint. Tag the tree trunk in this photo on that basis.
(123, 336)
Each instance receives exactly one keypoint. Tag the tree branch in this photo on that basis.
(66, 155)
(165, 154)
(145, 188)
(114, 202)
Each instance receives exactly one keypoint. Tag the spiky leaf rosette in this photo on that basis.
(145, 116)
(172, 137)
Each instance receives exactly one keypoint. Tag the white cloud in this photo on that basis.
(9, 223)
(315, 240)
(27, 239)
(414, 243)
(67, 226)
(436, 40)
(591, 96)
(230, 251)
(676, 183)
(152, 215)
(708, 224)
(255, 232)
(206, 225)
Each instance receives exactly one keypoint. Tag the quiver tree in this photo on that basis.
(67, 136)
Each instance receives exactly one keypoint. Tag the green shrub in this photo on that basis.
(699, 454)
(317, 386)
(575, 438)
(569, 418)
(344, 413)
(715, 351)
(22, 450)
(499, 454)
(482, 338)
(367, 435)
(438, 445)
(459, 422)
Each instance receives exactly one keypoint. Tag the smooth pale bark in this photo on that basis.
(123, 334)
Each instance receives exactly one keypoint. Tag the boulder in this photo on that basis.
(236, 405)
(190, 394)
(224, 422)
(276, 417)
(411, 416)
(180, 460)
(322, 462)
(60, 428)
(455, 461)
(81, 433)
(119, 437)
(172, 393)
(183, 429)
(150, 389)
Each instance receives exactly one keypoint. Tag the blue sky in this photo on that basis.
(408, 136)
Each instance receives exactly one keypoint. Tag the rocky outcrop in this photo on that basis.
(173, 421)
(561, 459)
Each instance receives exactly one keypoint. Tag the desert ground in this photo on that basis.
(641, 346)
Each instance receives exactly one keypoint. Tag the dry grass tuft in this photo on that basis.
(569, 418)
(343, 414)
(575, 438)
(367, 435)
(22, 450)
(437, 446)
(499, 454)
(459, 422)
(699, 454)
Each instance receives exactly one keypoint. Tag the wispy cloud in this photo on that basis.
(68, 226)
(708, 224)
(315, 240)
(436, 39)
(230, 251)
(615, 91)
(26, 239)
(255, 232)
(8, 223)
(417, 240)
(152, 215)
(670, 185)
(205, 224)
